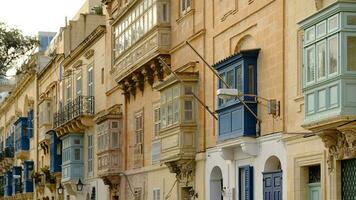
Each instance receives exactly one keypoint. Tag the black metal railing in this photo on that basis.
(80, 106)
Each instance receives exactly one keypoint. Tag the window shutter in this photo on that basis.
(249, 182)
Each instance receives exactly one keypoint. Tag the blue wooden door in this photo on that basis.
(272, 185)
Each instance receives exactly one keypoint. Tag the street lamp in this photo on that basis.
(226, 93)
(60, 189)
(80, 185)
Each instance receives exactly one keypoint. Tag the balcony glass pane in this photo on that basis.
(114, 139)
(333, 55)
(321, 59)
(333, 23)
(310, 64)
(351, 50)
(321, 29)
(310, 35)
(351, 20)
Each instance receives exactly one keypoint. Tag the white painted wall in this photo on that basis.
(271, 145)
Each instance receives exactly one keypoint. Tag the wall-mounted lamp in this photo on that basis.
(60, 189)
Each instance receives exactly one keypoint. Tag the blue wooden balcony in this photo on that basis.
(22, 138)
(72, 158)
(17, 180)
(28, 166)
(55, 153)
(240, 72)
(8, 184)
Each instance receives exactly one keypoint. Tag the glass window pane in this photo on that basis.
(230, 78)
(310, 34)
(239, 79)
(333, 55)
(251, 80)
(333, 23)
(321, 29)
(176, 111)
(76, 154)
(310, 64)
(115, 139)
(351, 20)
(351, 51)
(188, 110)
(321, 59)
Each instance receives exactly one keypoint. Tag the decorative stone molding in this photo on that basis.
(184, 170)
(89, 54)
(226, 154)
(341, 144)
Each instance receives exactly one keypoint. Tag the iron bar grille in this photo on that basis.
(80, 106)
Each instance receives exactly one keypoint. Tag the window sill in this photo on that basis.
(185, 15)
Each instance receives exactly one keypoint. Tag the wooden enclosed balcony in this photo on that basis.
(109, 152)
(75, 116)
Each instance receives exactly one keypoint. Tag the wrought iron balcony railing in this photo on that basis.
(80, 106)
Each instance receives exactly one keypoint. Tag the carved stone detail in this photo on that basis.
(184, 170)
(341, 144)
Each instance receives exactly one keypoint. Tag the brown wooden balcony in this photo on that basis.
(75, 116)
(109, 162)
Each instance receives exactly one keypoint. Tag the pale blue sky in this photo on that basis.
(32, 16)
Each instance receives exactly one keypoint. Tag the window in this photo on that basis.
(351, 49)
(156, 151)
(251, 80)
(156, 194)
(310, 64)
(333, 54)
(333, 23)
(79, 84)
(90, 81)
(233, 76)
(156, 121)
(69, 91)
(138, 193)
(102, 75)
(246, 183)
(103, 136)
(77, 154)
(321, 59)
(138, 128)
(142, 19)
(321, 29)
(90, 155)
(170, 106)
(185, 5)
(114, 139)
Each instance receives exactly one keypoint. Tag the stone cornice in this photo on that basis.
(21, 85)
(82, 47)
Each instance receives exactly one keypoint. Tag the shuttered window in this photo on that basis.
(246, 183)
(156, 194)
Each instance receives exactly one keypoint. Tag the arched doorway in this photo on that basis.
(272, 179)
(216, 184)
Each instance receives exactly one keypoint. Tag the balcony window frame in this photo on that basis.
(90, 161)
(144, 15)
(156, 120)
(138, 127)
(326, 38)
(346, 45)
(185, 6)
(177, 102)
(90, 80)
(79, 83)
